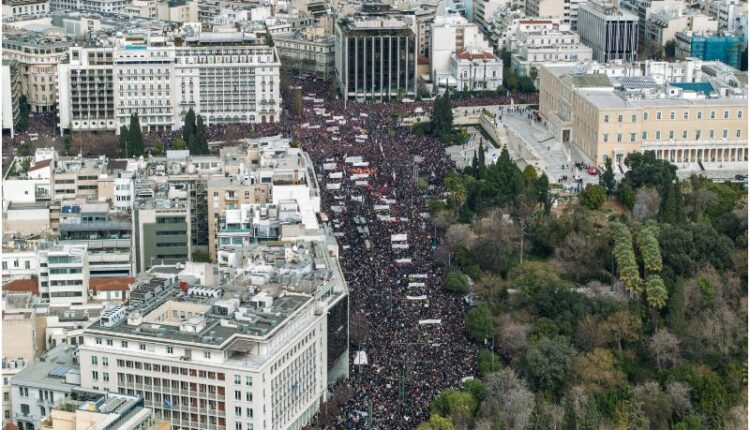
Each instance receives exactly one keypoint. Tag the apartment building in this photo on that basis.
(483, 12)
(256, 353)
(17, 8)
(661, 27)
(726, 48)
(267, 171)
(730, 14)
(611, 32)
(161, 232)
(643, 8)
(86, 82)
(376, 56)
(97, 6)
(10, 95)
(42, 385)
(63, 274)
(564, 10)
(307, 51)
(609, 117)
(37, 57)
(540, 41)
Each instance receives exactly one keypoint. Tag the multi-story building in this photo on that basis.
(225, 77)
(98, 6)
(19, 259)
(16, 8)
(177, 11)
(661, 27)
(725, 48)
(86, 86)
(376, 56)
(483, 12)
(63, 274)
(161, 232)
(504, 27)
(42, 385)
(564, 10)
(307, 51)
(609, 117)
(730, 14)
(256, 353)
(643, 8)
(37, 56)
(451, 34)
(611, 32)
(10, 95)
(106, 235)
(477, 70)
(540, 41)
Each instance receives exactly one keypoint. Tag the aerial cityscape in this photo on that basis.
(378, 214)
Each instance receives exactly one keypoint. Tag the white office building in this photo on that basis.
(255, 354)
(64, 274)
(450, 34)
(541, 41)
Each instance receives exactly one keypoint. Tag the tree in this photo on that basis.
(546, 364)
(476, 388)
(656, 292)
(621, 327)
(23, 114)
(478, 322)
(489, 362)
(509, 398)
(158, 148)
(451, 403)
(201, 137)
(457, 282)
(135, 137)
(123, 142)
(665, 348)
(67, 143)
(530, 173)
(593, 196)
(647, 203)
(669, 49)
(539, 419)
(596, 371)
(607, 178)
(570, 419)
(648, 245)
(627, 266)
(436, 422)
(297, 101)
(655, 405)
(179, 144)
(189, 128)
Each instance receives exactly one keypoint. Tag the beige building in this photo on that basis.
(606, 117)
(110, 411)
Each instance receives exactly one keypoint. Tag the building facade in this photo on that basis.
(10, 96)
(610, 32)
(376, 56)
(307, 53)
(725, 48)
(64, 274)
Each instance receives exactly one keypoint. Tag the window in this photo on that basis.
(207, 354)
(237, 426)
(249, 381)
(95, 375)
(713, 114)
(170, 350)
(109, 342)
(98, 340)
(711, 134)
(25, 409)
(142, 347)
(632, 118)
(105, 377)
(606, 118)
(658, 115)
(237, 379)
(739, 114)
(605, 137)
(237, 411)
(644, 135)
(699, 114)
(738, 133)
(671, 115)
(632, 137)
(726, 114)
(725, 134)
(671, 134)
(124, 343)
(645, 116)
(684, 134)
(93, 360)
(249, 396)
(686, 115)
(619, 137)
(697, 134)
(619, 118)
(105, 361)
(250, 412)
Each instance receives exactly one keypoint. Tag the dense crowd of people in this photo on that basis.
(416, 343)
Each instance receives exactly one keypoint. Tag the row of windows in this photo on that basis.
(672, 116)
(671, 135)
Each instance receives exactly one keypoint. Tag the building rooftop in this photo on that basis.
(56, 370)
(22, 285)
(111, 284)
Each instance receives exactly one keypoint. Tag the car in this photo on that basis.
(740, 177)
(593, 171)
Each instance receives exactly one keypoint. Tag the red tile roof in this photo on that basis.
(10, 426)
(21, 285)
(111, 284)
(40, 165)
(466, 55)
